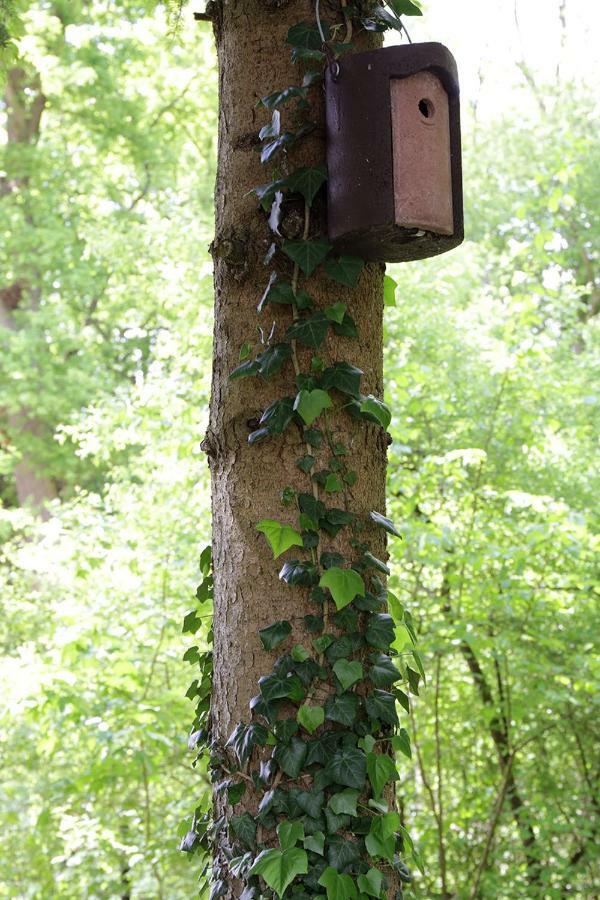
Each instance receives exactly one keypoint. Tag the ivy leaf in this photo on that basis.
(307, 35)
(310, 717)
(343, 377)
(290, 757)
(315, 842)
(310, 404)
(338, 887)
(250, 367)
(381, 839)
(336, 312)
(401, 742)
(348, 767)
(375, 563)
(309, 331)
(381, 770)
(307, 181)
(347, 327)
(244, 827)
(306, 462)
(381, 705)
(380, 631)
(389, 291)
(345, 269)
(278, 98)
(244, 738)
(348, 672)
(280, 867)
(273, 635)
(289, 833)
(383, 672)
(307, 254)
(371, 883)
(280, 537)
(384, 523)
(300, 653)
(376, 410)
(343, 584)
(273, 129)
(275, 687)
(333, 484)
(272, 148)
(344, 803)
(405, 7)
(300, 573)
(275, 419)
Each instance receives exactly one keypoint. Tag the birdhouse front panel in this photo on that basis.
(393, 153)
(421, 154)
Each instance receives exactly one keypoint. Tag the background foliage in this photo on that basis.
(492, 360)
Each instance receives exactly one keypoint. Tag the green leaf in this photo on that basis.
(348, 767)
(347, 327)
(275, 419)
(280, 537)
(289, 833)
(338, 887)
(303, 574)
(309, 331)
(275, 687)
(290, 757)
(333, 484)
(244, 828)
(315, 842)
(401, 742)
(305, 463)
(300, 653)
(381, 770)
(245, 350)
(375, 563)
(385, 523)
(376, 410)
(383, 672)
(371, 883)
(348, 672)
(307, 254)
(273, 635)
(404, 7)
(244, 738)
(343, 584)
(344, 803)
(389, 291)
(381, 839)
(379, 632)
(345, 269)
(310, 404)
(278, 98)
(279, 868)
(336, 312)
(322, 643)
(307, 181)
(307, 35)
(381, 705)
(310, 717)
(343, 377)
(273, 358)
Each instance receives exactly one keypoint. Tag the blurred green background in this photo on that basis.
(492, 364)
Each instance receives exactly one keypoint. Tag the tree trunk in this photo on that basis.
(248, 480)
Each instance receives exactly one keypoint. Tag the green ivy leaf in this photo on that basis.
(290, 757)
(309, 331)
(344, 803)
(343, 584)
(348, 672)
(336, 312)
(375, 563)
(347, 327)
(307, 181)
(333, 484)
(244, 828)
(343, 377)
(383, 672)
(307, 254)
(381, 705)
(275, 687)
(381, 770)
(315, 842)
(345, 269)
(289, 833)
(389, 291)
(310, 717)
(338, 887)
(280, 867)
(376, 410)
(300, 653)
(280, 537)
(244, 738)
(381, 839)
(275, 419)
(301, 573)
(273, 635)
(371, 883)
(348, 767)
(322, 643)
(401, 742)
(405, 7)
(310, 404)
(384, 523)
(379, 632)
(278, 98)
(307, 35)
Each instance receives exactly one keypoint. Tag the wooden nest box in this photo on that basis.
(393, 153)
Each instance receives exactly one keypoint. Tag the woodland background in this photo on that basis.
(492, 364)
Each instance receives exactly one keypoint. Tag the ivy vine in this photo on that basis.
(326, 716)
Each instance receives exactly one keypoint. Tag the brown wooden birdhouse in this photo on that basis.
(393, 153)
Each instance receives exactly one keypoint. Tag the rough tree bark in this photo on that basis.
(247, 481)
